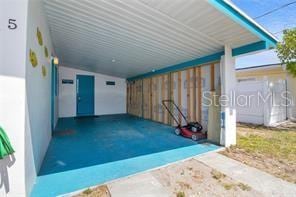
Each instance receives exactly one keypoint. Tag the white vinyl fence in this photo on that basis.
(261, 102)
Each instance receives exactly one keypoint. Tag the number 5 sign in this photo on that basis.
(12, 24)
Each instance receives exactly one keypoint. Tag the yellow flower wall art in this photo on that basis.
(45, 51)
(39, 37)
(33, 58)
(44, 71)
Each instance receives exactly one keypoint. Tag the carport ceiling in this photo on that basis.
(128, 38)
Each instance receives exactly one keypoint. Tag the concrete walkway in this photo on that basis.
(257, 179)
(145, 184)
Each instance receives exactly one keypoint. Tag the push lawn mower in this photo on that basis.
(191, 130)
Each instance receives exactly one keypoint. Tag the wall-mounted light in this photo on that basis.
(113, 60)
(56, 60)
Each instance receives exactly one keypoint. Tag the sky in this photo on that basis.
(274, 23)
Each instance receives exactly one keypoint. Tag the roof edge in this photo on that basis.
(275, 65)
(232, 11)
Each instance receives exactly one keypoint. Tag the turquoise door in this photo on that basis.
(85, 93)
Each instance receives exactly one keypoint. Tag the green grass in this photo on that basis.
(217, 175)
(244, 187)
(272, 150)
(180, 194)
(277, 144)
(228, 186)
(87, 191)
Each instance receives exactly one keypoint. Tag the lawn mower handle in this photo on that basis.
(171, 101)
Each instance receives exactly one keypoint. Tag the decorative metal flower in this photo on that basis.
(33, 58)
(44, 71)
(39, 37)
(45, 51)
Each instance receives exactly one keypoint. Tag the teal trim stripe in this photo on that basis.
(234, 14)
(184, 65)
(257, 46)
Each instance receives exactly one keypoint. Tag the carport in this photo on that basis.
(94, 76)
(92, 155)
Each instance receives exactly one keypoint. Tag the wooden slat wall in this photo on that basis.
(134, 98)
(131, 98)
(206, 87)
(155, 98)
(188, 98)
(139, 93)
(171, 94)
(212, 77)
(165, 96)
(144, 97)
(179, 92)
(151, 99)
(191, 97)
(158, 98)
(162, 97)
(127, 97)
(174, 93)
(147, 98)
(198, 93)
(194, 101)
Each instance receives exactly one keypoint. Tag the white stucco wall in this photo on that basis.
(37, 96)
(108, 99)
(38, 87)
(12, 97)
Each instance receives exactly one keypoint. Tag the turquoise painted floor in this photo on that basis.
(98, 149)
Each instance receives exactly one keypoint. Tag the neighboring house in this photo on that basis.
(272, 72)
(269, 80)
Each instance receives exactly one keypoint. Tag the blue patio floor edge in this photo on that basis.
(69, 181)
